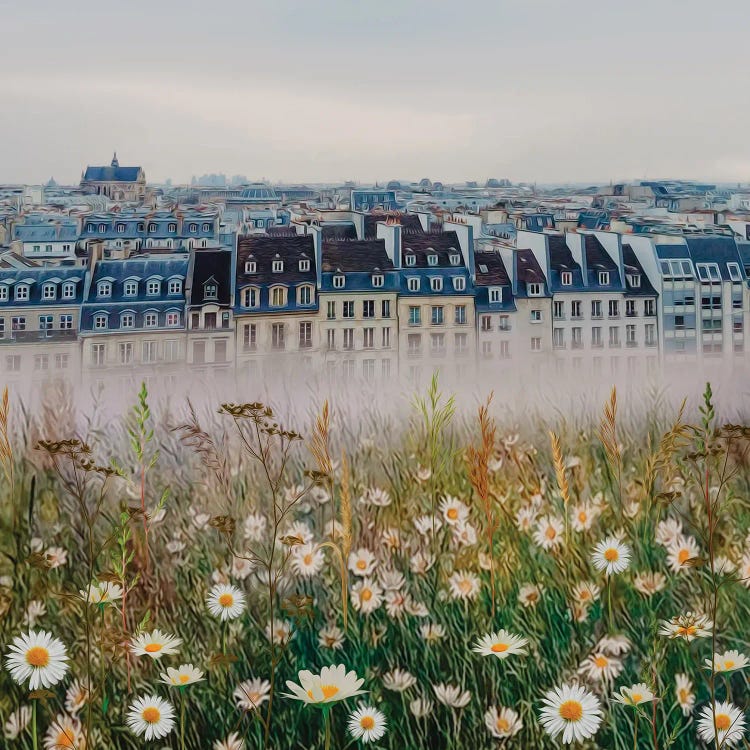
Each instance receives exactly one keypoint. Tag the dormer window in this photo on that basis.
(172, 228)
(153, 287)
(175, 286)
(278, 296)
(338, 281)
(410, 259)
(210, 290)
(377, 279)
(250, 266)
(482, 268)
(733, 269)
(634, 279)
(193, 228)
(104, 289)
(277, 266)
(249, 297)
(140, 226)
(432, 259)
(100, 321)
(566, 278)
(436, 284)
(68, 290)
(127, 320)
(152, 227)
(130, 288)
(90, 227)
(206, 227)
(304, 295)
(459, 283)
(534, 289)
(102, 227)
(49, 291)
(120, 228)
(603, 278)
(412, 284)
(454, 258)
(304, 264)
(496, 295)
(3, 293)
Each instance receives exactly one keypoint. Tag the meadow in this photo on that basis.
(186, 578)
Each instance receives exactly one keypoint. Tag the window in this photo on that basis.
(377, 280)
(630, 308)
(278, 296)
(386, 337)
(175, 286)
(277, 336)
(613, 308)
(496, 295)
(348, 366)
(536, 316)
(149, 352)
(22, 292)
(249, 297)
(151, 320)
(460, 342)
(504, 349)
(41, 362)
(650, 329)
(536, 344)
(634, 279)
(3, 293)
(13, 362)
(649, 308)
(206, 227)
(127, 320)
(62, 361)
(460, 315)
(437, 315)
(249, 336)
(436, 284)
(331, 338)
(566, 278)
(733, 269)
(596, 308)
(348, 338)
(708, 272)
(503, 323)
(486, 349)
(459, 283)
(347, 309)
(126, 352)
(210, 290)
(172, 228)
(368, 308)
(305, 295)
(412, 284)
(534, 290)
(49, 291)
(486, 323)
(153, 287)
(119, 228)
(679, 321)
(558, 338)
(277, 266)
(66, 322)
(603, 278)
(385, 308)
(338, 281)
(250, 266)
(130, 288)
(68, 290)
(37, 248)
(305, 334)
(432, 259)
(414, 344)
(199, 352)
(45, 322)
(576, 338)
(104, 289)
(368, 338)
(100, 321)
(415, 315)
(630, 335)
(596, 336)
(152, 227)
(331, 310)
(173, 319)
(558, 310)
(411, 259)
(614, 336)
(437, 343)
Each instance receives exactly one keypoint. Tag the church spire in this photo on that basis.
(115, 163)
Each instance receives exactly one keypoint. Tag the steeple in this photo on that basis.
(115, 163)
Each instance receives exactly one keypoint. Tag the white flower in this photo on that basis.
(37, 657)
(452, 695)
(725, 724)
(280, 631)
(362, 563)
(375, 496)
(426, 525)
(251, 694)
(585, 592)
(548, 533)
(331, 685)
(502, 722)
(56, 557)
(398, 680)
(454, 512)
(529, 595)
(102, 592)
(687, 626)
(614, 645)
(728, 661)
(255, 527)
(667, 531)
(649, 583)
(17, 721)
(634, 695)
(464, 535)
(583, 516)
(232, 742)
(611, 555)
(225, 602)
(432, 632)
(151, 717)
(34, 611)
(307, 560)
(525, 518)
(420, 707)
(331, 637)
(572, 711)
(366, 724)
(155, 644)
(464, 585)
(500, 644)
(367, 596)
(185, 674)
(241, 568)
(681, 552)
(684, 695)
(421, 562)
(64, 732)
(76, 696)
(599, 666)
(391, 580)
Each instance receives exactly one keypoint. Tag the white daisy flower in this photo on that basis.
(464, 585)
(56, 557)
(500, 644)
(398, 680)
(331, 637)
(17, 722)
(63, 733)
(451, 695)
(611, 555)
(150, 717)
(366, 595)
(241, 568)
(331, 685)
(600, 667)
(307, 560)
(502, 722)
(155, 644)
(529, 595)
(649, 583)
(634, 695)
(102, 592)
(454, 512)
(420, 707)
(687, 626)
(728, 661)
(432, 632)
(548, 532)
(255, 527)
(76, 696)
(279, 631)
(185, 674)
(684, 694)
(232, 742)
(225, 602)
(362, 563)
(681, 552)
(667, 531)
(725, 725)
(572, 711)
(251, 694)
(366, 724)
(37, 657)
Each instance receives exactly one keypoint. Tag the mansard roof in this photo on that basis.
(442, 244)
(207, 264)
(355, 256)
(264, 249)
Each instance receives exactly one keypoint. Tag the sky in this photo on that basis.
(530, 90)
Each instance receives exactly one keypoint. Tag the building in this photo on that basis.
(44, 237)
(115, 182)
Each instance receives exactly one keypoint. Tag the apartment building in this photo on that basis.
(495, 309)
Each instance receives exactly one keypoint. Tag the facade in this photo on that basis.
(45, 239)
(115, 182)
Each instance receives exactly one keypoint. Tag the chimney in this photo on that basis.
(391, 233)
(317, 234)
(465, 233)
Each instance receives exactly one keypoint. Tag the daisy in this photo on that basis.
(102, 593)
(395, 604)
(420, 707)
(241, 568)
(667, 531)
(464, 535)
(421, 562)
(684, 694)
(681, 553)
(331, 685)
(362, 562)
(76, 696)
(423, 474)
(586, 592)
(56, 557)
(529, 595)
(279, 631)
(611, 555)
(688, 626)
(583, 516)
(366, 724)
(432, 632)
(728, 661)
(151, 717)
(185, 674)
(232, 742)
(614, 645)
(500, 644)
(725, 725)
(464, 585)
(634, 695)
(367, 596)
(377, 497)
(454, 512)
(37, 657)
(525, 518)
(63, 733)
(548, 533)
(391, 580)
(502, 722)
(155, 644)
(724, 565)
(391, 538)
(34, 611)
(17, 722)
(331, 637)
(426, 525)
(572, 711)
(649, 583)
(307, 560)
(254, 527)
(398, 680)
(297, 532)
(251, 694)
(598, 666)
(225, 602)
(451, 695)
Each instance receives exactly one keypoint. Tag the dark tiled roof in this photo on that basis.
(560, 257)
(333, 232)
(443, 244)
(410, 224)
(281, 232)
(216, 264)
(111, 174)
(356, 256)
(714, 249)
(264, 250)
(597, 258)
(528, 269)
(633, 266)
(495, 273)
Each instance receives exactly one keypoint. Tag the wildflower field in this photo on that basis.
(448, 579)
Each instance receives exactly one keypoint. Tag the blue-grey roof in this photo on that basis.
(111, 174)
(45, 232)
(37, 278)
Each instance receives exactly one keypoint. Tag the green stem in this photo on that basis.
(182, 719)
(609, 605)
(635, 731)
(34, 742)
(327, 719)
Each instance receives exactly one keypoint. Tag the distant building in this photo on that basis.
(115, 182)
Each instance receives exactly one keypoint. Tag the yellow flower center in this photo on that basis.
(636, 697)
(601, 661)
(582, 516)
(37, 656)
(611, 555)
(361, 564)
(151, 714)
(683, 556)
(184, 678)
(723, 722)
(465, 586)
(502, 724)
(683, 695)
(728, 663)
(532, 596)
(550, 533)
(687, 630)
(65, 739)
(152, 648)
(571, 711)
(498, 648)
(367, 723)
(307, 559)
(452, 513)
(226, 600)
(328, 692)
(366, 595)
(584, 595)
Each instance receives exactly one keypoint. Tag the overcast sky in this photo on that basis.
(537, 90)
